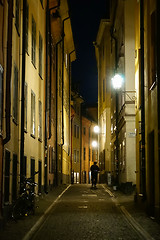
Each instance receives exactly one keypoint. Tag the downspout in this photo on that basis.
(158, 79)
(57, 111)
(70, 118)
(46, 95)
(62, 139)
(116, 67)
(50, 54)
(22, 93)
(8, 73)
(50, 73)
(143, 165)
(63, 78)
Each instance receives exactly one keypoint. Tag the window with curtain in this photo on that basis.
(32, 113)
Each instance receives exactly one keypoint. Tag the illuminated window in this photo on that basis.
(15, 95)
(33, 41)
(32, 114)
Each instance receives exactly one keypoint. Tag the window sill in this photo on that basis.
(40, 140)
(33, 136)
(15, 121)
(34, 64)
(40, 76)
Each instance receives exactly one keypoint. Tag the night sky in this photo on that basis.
(85, 17)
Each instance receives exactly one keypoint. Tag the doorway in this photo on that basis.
(151, 173)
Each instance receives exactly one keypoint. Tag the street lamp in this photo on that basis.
(94, 144)
(117, 81)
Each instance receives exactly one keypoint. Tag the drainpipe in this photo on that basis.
(46, 95)
(8, 72)
(57, 111)
(63, 78)
(158, 78)
(116, 67)
(70, 120)
(143, 164)
(22, 94)
(50, 55)
(50, 73)
(62, 139)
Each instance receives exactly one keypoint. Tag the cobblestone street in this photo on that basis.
(80, 212)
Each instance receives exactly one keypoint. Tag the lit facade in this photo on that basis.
(35, 94)
(76, 137)
(89, 151)
(116, 110)
(147, 87)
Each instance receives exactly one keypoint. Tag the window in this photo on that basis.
(32, 114)
(84, 153)
(84, 131)
(33, 41)
(1, 88)
(15, 95)
(25, 107)
(27, 20)
(17, 15)
(75, 156)
(77, 131)
(40, 121)
(103, 90)
(41, 2)
(40, 54)
(75, 128)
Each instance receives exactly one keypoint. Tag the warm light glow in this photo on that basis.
(96, 129)
(94, 144)
(117, 81)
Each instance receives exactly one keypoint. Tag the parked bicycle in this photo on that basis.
(25, 203)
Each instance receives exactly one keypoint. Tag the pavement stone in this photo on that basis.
(20, 228)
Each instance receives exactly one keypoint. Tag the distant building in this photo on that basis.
(76, 126)
(89, 142)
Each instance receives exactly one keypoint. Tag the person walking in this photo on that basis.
(94, 174)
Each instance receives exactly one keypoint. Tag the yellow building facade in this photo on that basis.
(35, 95)
(147, 87)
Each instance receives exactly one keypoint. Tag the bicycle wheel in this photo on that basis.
(19, 209)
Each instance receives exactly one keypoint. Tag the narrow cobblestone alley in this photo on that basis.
(84, 213)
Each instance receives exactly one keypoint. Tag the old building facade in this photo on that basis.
(35, 87)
